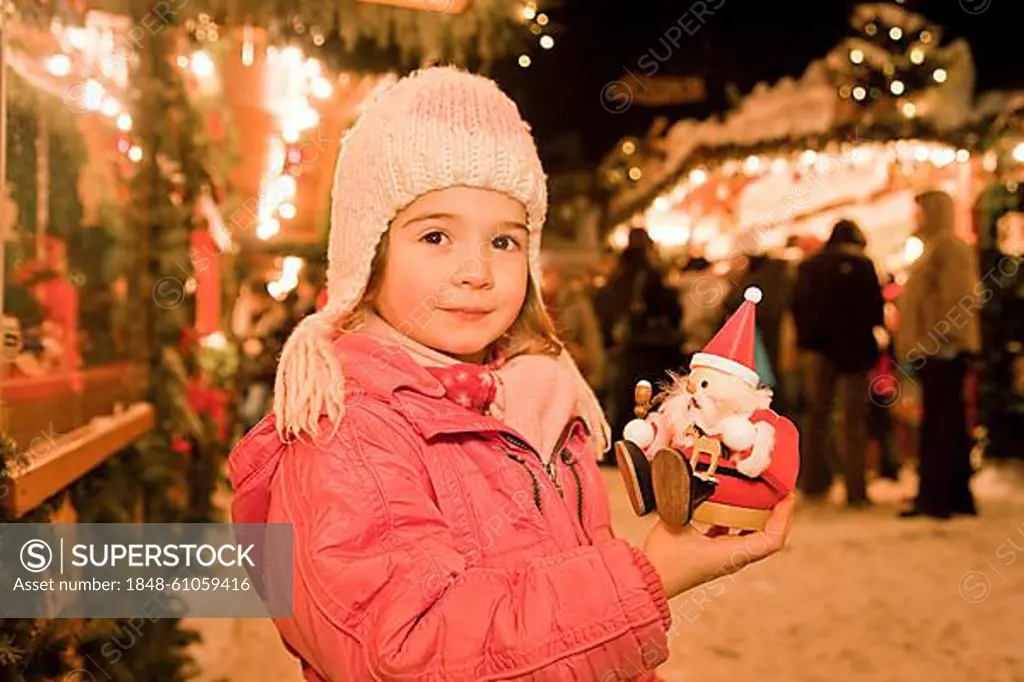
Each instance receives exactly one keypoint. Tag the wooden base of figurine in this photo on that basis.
(738, 518)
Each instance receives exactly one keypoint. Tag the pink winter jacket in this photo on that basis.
(431, 543)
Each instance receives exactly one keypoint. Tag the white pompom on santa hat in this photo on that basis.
(732, 349)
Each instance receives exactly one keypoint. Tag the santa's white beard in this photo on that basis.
(683, 413)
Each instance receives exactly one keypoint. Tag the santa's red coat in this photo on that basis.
(774, 483)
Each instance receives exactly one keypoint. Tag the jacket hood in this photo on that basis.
(938, 218)
(371, 368)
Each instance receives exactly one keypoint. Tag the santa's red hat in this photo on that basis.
(732, 349)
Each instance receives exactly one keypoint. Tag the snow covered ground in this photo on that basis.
(856, 596)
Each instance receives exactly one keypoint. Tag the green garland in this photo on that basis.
(67, 155)
(977, 136)
(22, 131)
(485, 32)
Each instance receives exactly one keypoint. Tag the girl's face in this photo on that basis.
(455, 271)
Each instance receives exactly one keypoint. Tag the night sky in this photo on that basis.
(742, 42)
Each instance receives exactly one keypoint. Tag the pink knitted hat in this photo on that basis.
(437, 128)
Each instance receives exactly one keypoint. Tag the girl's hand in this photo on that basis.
(686, 558)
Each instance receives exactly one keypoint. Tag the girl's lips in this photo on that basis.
(467, 314)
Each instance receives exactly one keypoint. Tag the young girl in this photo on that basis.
(433, 446)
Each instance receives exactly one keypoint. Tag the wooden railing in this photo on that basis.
(65, 426)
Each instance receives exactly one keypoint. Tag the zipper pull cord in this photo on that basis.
(533, 477)
(553, 475)
(567, 458)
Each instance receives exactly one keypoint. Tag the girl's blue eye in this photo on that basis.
(504, 242)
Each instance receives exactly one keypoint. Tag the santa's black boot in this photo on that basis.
(677, 491)
(635, 470)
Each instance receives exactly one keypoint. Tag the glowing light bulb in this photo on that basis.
(547, 42)
(290, 135)
(542, 19)
(135, 153)
(698, 176)
(201, 64)
(287, 186)
(856, 56)
(308, 118)
(859, 93)
(895, 32)
(287, 211)
(525, 61)
(292, 265)
(268, 228)
(110, 107)
(752, 165)
(661, 204)
(912, 249)
(635, 173)
(917, 55)
(124, 122)
(248, 53)
(1018, 152)
(939, 75)
(963, 156)
(322, 88)
(59, 65)
(182, 61)
(529, 12)
(896, 87)
(77, 37)
(908, 109)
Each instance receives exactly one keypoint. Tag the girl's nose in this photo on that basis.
(475, 272)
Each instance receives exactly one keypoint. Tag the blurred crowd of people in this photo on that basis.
(262, 323)
(835, 342)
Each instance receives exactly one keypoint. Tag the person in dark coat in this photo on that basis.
(641, 321)
(837, 304)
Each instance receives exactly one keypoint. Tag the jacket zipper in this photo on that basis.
(559, 452)
(533, 477)
(567, 458)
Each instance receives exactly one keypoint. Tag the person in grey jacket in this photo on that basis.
(939, 329)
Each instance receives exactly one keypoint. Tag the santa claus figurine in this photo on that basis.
(713, 451)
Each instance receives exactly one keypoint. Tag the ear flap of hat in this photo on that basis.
(310, 382)
(590, 407)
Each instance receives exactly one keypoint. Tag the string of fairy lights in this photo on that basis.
(294, 82)
(539, 24)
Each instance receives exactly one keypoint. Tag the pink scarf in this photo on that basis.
(536, 396)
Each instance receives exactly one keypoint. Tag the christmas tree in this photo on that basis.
(892, 63)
